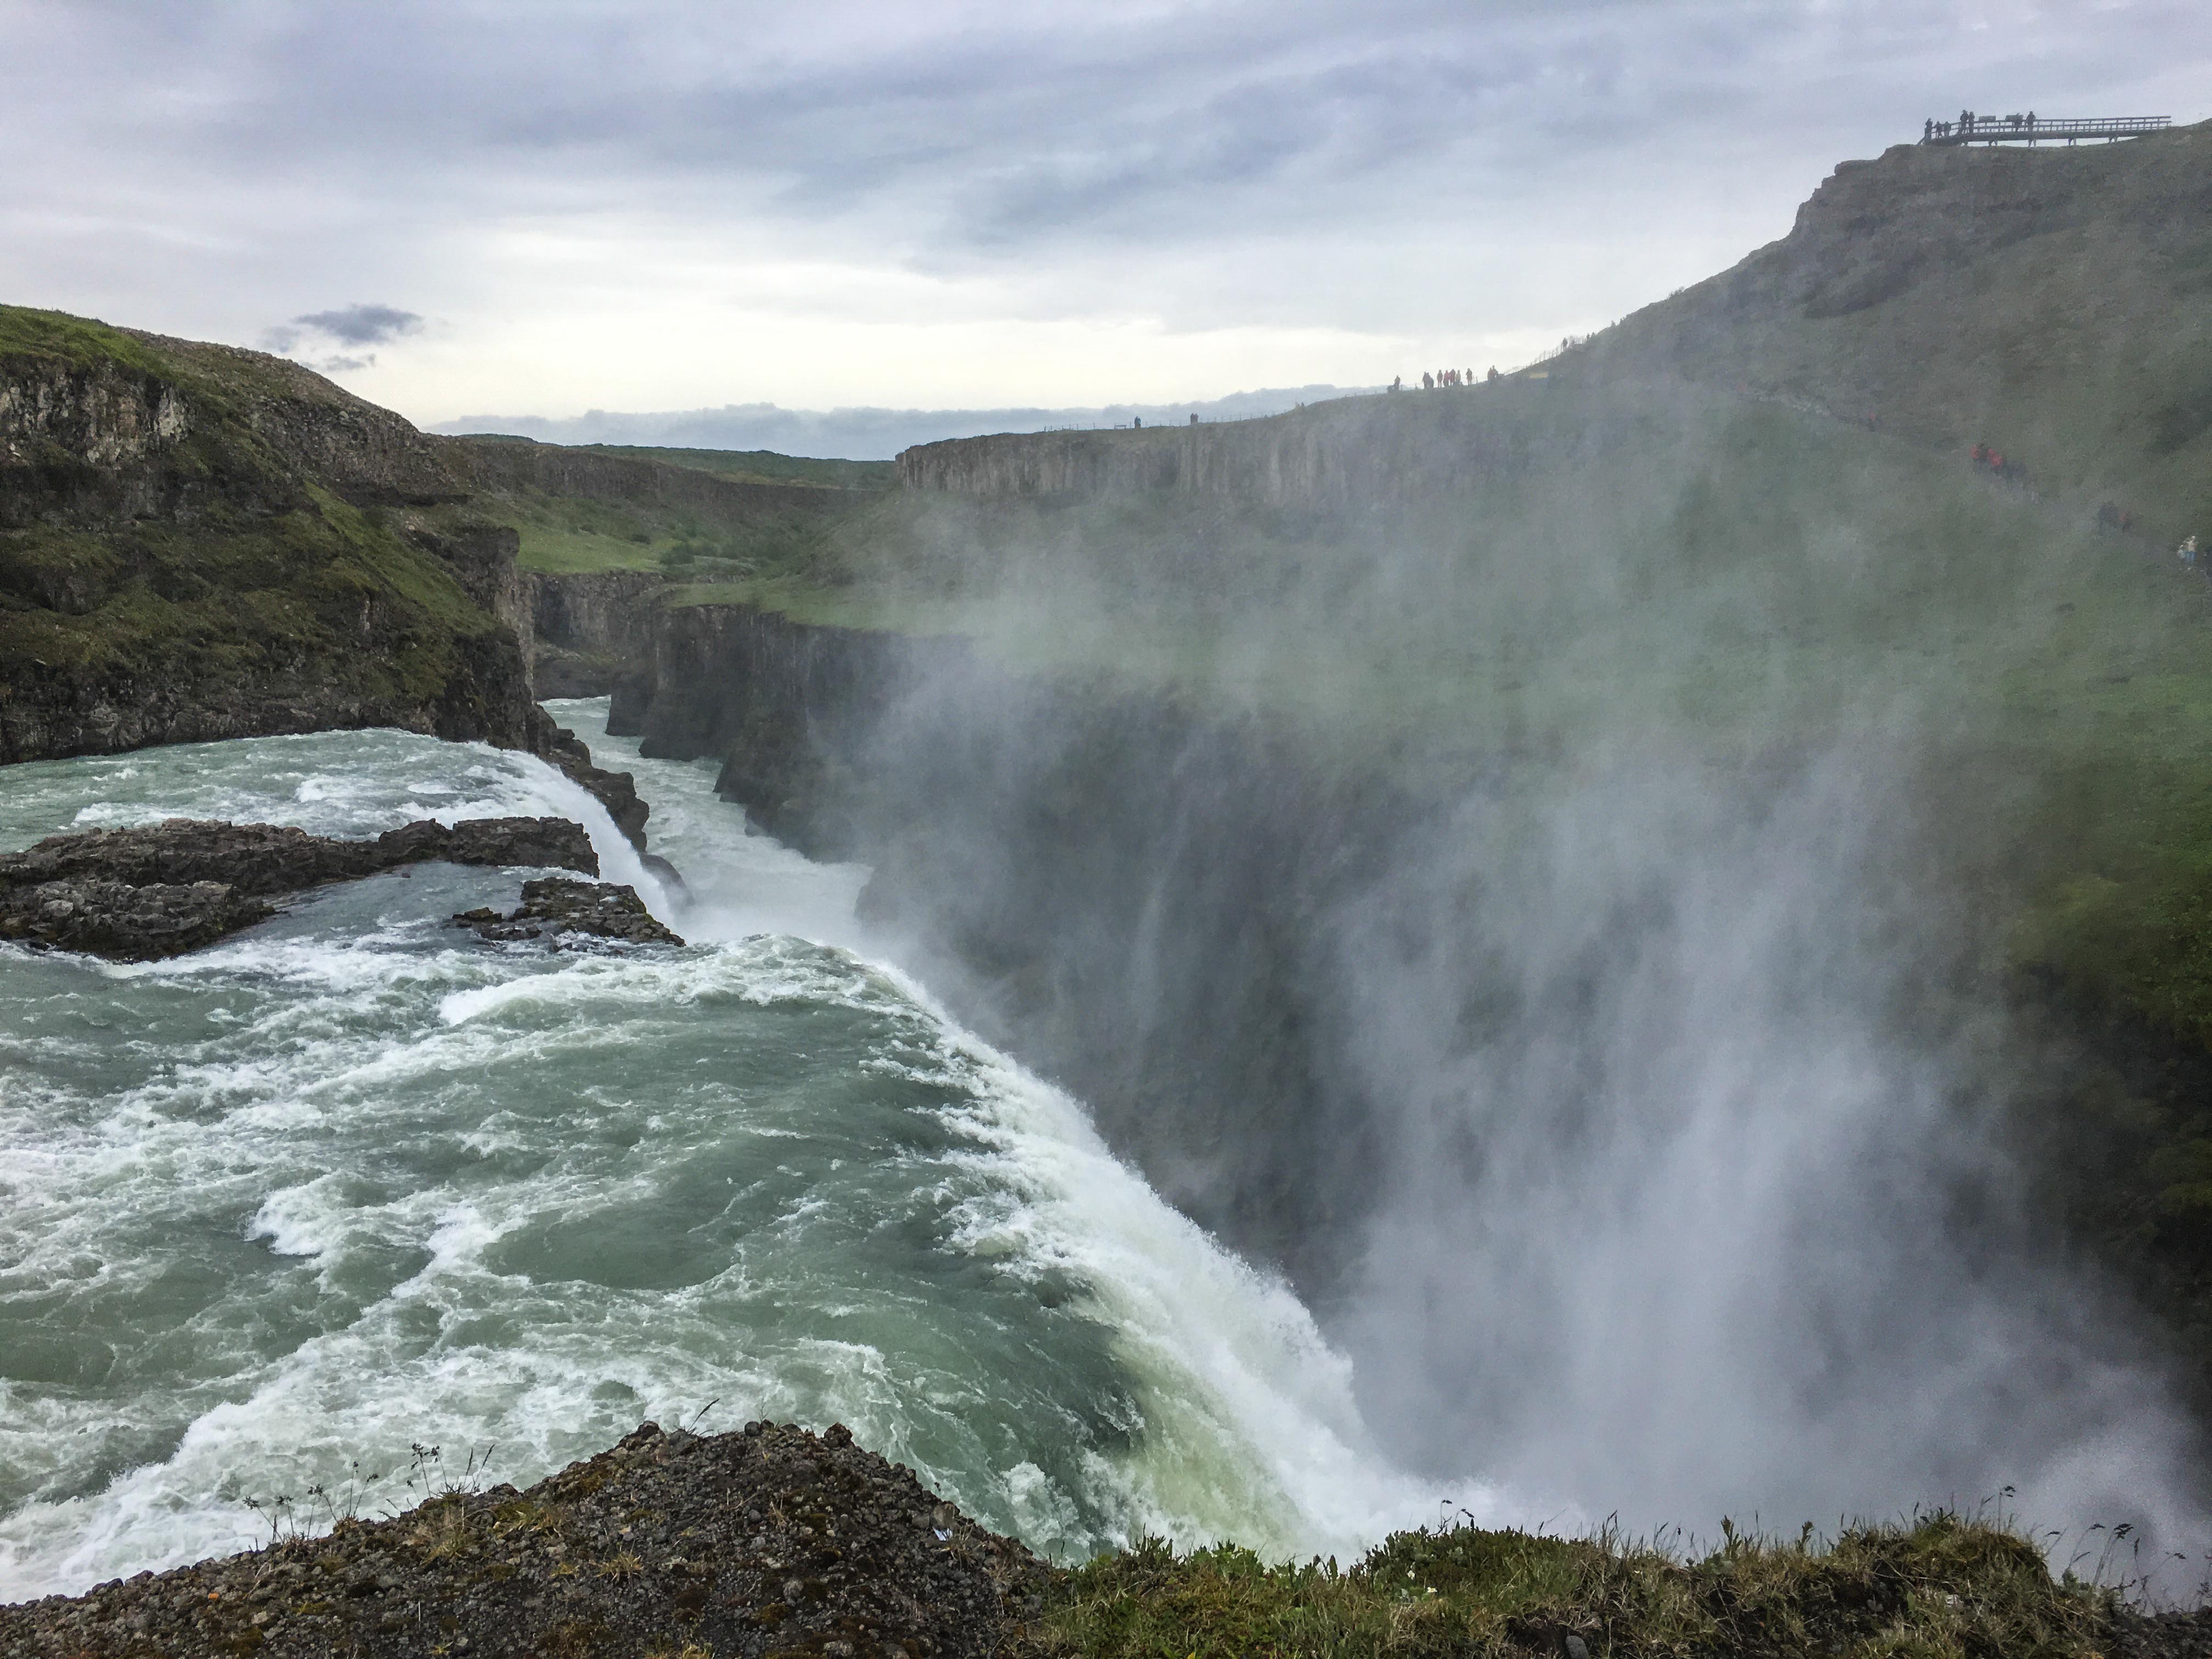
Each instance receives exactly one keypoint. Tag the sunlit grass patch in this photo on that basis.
(1940, 1586)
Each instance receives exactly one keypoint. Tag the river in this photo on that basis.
(352, 1183)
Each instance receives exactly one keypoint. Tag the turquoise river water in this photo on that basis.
(352, 1182)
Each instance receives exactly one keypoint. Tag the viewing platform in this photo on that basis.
(2031, 129)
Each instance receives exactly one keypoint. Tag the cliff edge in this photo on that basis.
(198, 542)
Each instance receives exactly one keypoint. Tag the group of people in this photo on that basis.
(1983, 456)
(1432, 380)
(2113, 516)
(1969, 124)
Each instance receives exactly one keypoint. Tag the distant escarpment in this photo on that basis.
(1352, 451)
(499, 463)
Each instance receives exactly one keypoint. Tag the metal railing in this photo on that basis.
(2031, 129)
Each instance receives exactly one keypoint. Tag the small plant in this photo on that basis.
(429, 1478)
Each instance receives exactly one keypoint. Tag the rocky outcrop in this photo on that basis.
(161, 890)
(771, 1540)
(553, 906)
(125, 922)
(98, 424)
(616, 791)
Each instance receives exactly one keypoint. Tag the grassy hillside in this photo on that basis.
(579, 509)
(199, 542)
(2054, 303)
(764, 466)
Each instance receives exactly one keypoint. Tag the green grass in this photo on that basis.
(765, 466)
(1941, 1587)
(561, 551)
(79, 342)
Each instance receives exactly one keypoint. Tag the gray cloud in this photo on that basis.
(309, 336)
(362, 325)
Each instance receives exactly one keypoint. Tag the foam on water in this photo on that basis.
(352, 1181)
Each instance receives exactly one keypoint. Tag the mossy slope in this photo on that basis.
(198, 542)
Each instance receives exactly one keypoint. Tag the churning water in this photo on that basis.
(353, 1181)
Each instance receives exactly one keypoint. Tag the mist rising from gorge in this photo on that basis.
(1642, 890)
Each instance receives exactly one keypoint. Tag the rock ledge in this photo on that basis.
(161, 890)
(773, 1540)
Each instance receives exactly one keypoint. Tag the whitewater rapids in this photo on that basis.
(275, 1211)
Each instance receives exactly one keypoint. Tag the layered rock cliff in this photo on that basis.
(1330, 456)
(593, 629)
(198, 543)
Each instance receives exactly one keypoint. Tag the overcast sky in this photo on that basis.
(461, 206)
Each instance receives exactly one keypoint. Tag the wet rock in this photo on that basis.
(666, 1543)
(553, 906)
(567, 753)
(268, 858)
(670, 876)
(114, 919)
(163, 889)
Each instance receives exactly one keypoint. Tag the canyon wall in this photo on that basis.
(1330, 456)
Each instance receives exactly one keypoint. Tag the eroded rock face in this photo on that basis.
(553, 906)
(770, 1541)
(163, 889)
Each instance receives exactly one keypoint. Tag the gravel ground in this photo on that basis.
(769, 1541)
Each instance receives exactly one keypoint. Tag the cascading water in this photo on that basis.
(272, 1213)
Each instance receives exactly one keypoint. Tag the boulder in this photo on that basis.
(553, 906)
